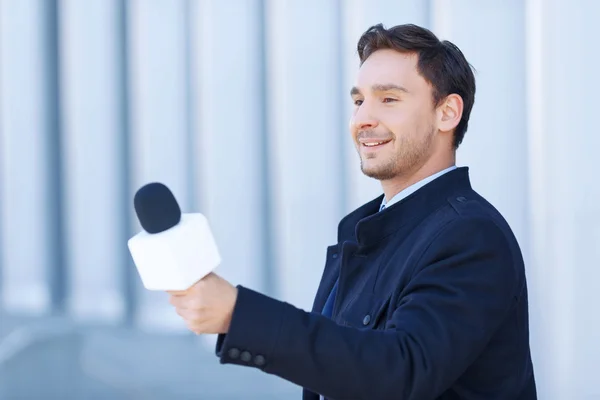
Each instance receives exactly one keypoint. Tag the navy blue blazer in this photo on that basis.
(431, 304)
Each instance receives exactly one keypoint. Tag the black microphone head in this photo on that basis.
(156, 208)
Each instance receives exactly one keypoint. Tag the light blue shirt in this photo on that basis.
(413, 188)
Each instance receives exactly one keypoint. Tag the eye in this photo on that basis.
(357, 102)
(389, 100)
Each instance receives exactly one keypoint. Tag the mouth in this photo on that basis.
(373, 144)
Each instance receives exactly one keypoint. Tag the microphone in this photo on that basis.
(174, 250)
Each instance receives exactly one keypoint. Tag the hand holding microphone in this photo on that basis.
(177, 253)
(207, 306)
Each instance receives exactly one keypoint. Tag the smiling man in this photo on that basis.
(424, 296)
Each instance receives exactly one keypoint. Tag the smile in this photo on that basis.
(375, 144)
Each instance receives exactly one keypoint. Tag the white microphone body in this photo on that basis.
(176, 258)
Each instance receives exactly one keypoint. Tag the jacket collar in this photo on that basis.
(367, 225)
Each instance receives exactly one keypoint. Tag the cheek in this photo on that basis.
(398, 122)
(407, 123)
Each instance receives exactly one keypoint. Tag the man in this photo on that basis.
(424, 296)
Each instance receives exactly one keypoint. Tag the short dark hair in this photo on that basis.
(440, 63)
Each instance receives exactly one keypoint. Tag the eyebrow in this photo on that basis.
(380, 88)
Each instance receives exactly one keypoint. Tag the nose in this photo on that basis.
(363, 119)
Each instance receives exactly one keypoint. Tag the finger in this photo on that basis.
(177, 292)
(191, 315)
(196, 327)
(182, 312)
(179, 301)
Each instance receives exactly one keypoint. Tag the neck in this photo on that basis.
(392, 187)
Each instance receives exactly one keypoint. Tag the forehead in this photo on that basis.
(388, 66)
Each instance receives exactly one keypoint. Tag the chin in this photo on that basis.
(379, 172)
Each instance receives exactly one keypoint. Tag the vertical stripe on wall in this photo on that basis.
(93, 157)
(229, 135)
(564, 196)
(27, 130)
(542, 278)
(229, 129)
(304, 127)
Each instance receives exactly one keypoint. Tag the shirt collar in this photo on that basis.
(366, 226)
(413, 188)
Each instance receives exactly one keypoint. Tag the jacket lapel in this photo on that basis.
(330, 274)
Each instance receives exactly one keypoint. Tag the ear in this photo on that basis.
(450, 112)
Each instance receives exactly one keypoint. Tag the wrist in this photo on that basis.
(229, 311)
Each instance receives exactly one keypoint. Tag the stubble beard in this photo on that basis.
(412, 152)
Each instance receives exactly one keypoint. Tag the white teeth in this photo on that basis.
(373, 144)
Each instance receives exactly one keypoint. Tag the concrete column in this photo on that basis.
(229, 134)
(564, 198)
(28, 139)
(93, 153)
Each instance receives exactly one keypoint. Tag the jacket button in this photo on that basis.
(461, 199)
(334, 255)
(246, 357)
(233, 353)
(259, 360)
(366, 319)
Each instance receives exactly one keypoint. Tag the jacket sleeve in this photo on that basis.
(462, 289)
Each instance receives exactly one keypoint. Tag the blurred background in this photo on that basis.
(241, 107)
